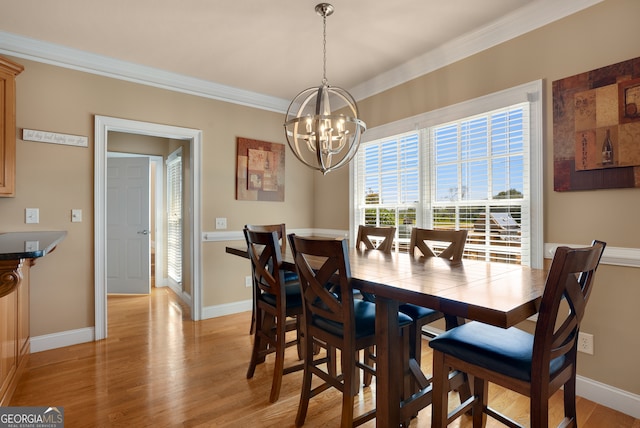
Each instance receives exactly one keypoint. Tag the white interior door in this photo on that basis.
(128, 258)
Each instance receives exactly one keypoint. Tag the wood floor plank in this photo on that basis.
(158, 368)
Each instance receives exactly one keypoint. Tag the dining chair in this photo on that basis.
(535, 365)
(282, 240)
(334, 319)
(451, 246)
(369, 237)
(278, 307)
(378, 238)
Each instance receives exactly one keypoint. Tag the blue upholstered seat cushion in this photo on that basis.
(294, 298)
(290, 276)
(365, 317)
(506, 351)
(416, 312)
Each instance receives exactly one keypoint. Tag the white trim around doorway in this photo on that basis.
(104, 124)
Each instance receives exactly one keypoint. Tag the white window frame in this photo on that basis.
(529, 92)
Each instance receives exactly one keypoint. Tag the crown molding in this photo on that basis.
(528, 18)
(61, 56)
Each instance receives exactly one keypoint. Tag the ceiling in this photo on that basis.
(273, 48)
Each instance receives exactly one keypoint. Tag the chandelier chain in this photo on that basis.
(324, 49)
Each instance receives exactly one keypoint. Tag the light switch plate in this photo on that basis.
(31, 215)
(76, 216)
(221, 223)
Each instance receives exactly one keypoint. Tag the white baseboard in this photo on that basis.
(227, 309)
(608, 396)
(62, 339)
(177, 289)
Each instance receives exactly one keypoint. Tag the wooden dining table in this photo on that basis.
(500, 294)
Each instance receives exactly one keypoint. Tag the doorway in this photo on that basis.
(124, 276)
(193, 138)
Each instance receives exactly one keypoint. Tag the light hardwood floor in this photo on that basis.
(158, 368)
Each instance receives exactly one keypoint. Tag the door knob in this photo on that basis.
(143, 232)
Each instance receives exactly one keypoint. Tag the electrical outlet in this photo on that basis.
(221, 223)
(585, 343)
(247, 281)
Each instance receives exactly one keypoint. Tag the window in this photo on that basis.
(174, 216)
(390, 184)
(469, 166)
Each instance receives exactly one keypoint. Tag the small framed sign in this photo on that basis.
(54, 138)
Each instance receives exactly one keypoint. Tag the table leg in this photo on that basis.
(388, 364)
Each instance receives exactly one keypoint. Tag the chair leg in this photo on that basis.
(415, 351)
(440, 394)
(350, 388)
(254, 310)
(570, 413)
(305, 394)
(332, 364)
(481, 392)
(369, 359)
(259, 343)
(539, 407)
(299, 337)
(280, 345)
(409, 382)
(416, 345)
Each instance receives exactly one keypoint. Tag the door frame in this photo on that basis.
(104, 124)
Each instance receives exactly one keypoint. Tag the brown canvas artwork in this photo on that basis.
(596, 128)
(259, 170)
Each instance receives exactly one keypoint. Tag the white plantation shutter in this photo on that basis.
(174, 216)
(478, 182)
(474, 166)
(388, 186)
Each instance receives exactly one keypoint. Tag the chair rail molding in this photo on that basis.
(236, 235)
(616, 256)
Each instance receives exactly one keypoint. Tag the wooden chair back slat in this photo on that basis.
(455, 238)
(366, 233)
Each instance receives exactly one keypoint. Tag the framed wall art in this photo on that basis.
(259, 170)
(596, 128)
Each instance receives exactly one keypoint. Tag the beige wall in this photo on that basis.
(599, 36)
(57, 178)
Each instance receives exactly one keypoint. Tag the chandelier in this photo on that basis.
(320, 137)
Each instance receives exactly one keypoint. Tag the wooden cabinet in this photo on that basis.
(14, 326)
(18, 253)
(8, 72)
(22, 318)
